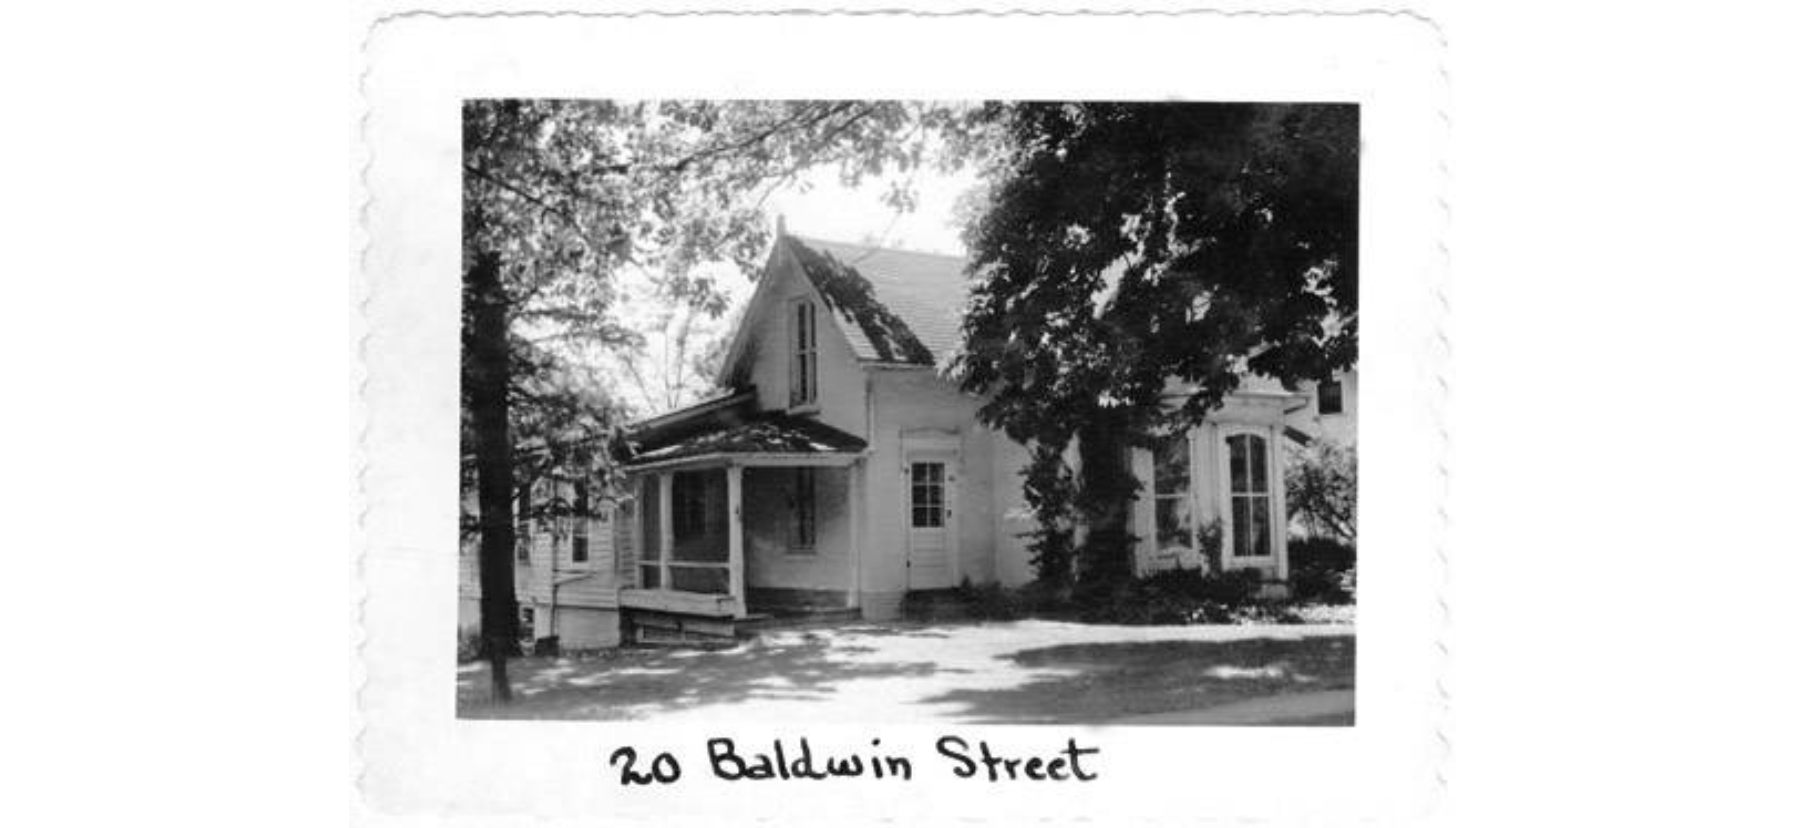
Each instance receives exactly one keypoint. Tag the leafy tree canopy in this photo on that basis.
(1124, 251)
(569, 195)
(1125, 245)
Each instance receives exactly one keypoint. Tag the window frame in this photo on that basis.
(1186, 495)
(803, 353)
(579, 523)
(1230, 532)
(1321, 397)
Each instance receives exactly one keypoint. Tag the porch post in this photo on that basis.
(855, 549)
(666, 543)
(735, 539)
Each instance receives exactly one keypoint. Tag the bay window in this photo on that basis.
(1174, 526)
(1249, 495)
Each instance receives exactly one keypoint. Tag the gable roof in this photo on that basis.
(895, 306)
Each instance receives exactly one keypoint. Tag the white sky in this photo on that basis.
(837, 213)
(817, 206)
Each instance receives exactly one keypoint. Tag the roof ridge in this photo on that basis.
(812, 240)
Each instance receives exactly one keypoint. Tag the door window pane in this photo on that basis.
(927, 494)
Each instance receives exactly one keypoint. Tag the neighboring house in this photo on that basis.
(1329, 410)
(564, 568)
(842, 471)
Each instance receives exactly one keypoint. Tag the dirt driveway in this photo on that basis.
(1023, 672)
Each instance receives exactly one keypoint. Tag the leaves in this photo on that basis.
(1125, 251)
(1321, 486)
(1128, 245)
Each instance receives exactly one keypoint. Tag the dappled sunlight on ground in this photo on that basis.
(1024, 671)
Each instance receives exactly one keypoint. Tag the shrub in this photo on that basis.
(1321, 487)
(994, 602)
(1322, 570)
(1174, 596)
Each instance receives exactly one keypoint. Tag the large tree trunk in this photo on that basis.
(485, 366)
(1106, 480)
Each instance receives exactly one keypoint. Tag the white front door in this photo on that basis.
(930, 533)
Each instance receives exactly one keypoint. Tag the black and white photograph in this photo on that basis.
(904, 411)
(952, 438)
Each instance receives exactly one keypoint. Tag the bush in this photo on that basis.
(1321, 484)
(1321, 573)
(994, 602)
(1174, 596)
(1322, 570)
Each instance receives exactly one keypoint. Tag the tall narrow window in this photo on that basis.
(523, 525)
(1249, 496)
(579, 525)
(1327, 397)
(801, 511)
(1171, 494)
(802, 374)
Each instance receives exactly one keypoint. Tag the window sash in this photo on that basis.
(579, 525)
(803, 367)
(1328, 399)
(1250, 500)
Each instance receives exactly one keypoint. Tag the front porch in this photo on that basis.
(739, 523)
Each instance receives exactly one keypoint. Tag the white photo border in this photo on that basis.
(416, 759)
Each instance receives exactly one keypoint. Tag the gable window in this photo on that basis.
(801, 511)
(579, 525)
(1249, 495)
(1171, 494)
(523, 525)
(1327, 397)
(803, 375)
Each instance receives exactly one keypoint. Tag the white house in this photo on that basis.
(1328, 409)
(841, 472)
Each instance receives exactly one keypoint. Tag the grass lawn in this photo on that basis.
(1022, 672)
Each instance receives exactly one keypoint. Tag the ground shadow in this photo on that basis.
(643, 683)
(1102, 682)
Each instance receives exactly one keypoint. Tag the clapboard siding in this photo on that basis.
(550, 559)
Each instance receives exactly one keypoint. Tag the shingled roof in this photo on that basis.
(767, 432)
(896, 306)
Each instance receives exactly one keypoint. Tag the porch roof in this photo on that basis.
(765, 435)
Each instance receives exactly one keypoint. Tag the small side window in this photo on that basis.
(1327, 397)
(579, 525)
